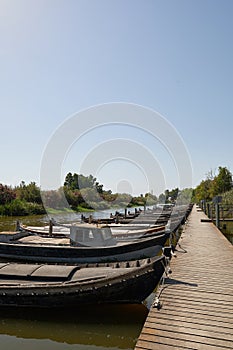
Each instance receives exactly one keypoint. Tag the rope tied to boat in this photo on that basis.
(179, 245)
(182, 249)
(167, 271)
(162, 286)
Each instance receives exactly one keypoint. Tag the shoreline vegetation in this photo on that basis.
(80, 194)
(218, 189)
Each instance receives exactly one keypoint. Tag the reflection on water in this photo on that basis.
(229, 237)
(227, 229)
(8, 223)
(96, 327)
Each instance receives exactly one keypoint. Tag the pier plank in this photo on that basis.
(184, 317)
(192, 323)
(192, 314)
(197, 299)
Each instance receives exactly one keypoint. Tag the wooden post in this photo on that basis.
(211, 211)
(17, 226)
(125, 213)
(50, 228)
(204, 206)
(90, 219)
(217, 215)
(208, 210)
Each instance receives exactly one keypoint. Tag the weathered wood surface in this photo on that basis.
(197, 298)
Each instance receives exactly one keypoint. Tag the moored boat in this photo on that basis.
(136, 232)
(85, 244)
(53, 286)
(120, 232)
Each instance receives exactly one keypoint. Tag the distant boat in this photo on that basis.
(122, 233)
(85, 244)
(54, 286)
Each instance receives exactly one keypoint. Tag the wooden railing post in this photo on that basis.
(50, 227)
(204, 206)
(217, 219)
(211, 211)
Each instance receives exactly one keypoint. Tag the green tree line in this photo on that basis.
(86, 193)
(214, 185)
(81, 192)
(21, 200)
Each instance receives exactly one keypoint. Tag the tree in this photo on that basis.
(74, 197)
(203, 190)
(151, 199)
(214, 185)
(79, 181)
(161, 198)
(223, 181)
(7, 194)
(173, 194)
(185, 196)
(68, 180)
(30, 193)
(54, 199)
(99, 188)
(166, 192)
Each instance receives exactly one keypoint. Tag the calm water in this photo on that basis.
(227, 230)
(9, 223)
(109, 327)
(103, 327)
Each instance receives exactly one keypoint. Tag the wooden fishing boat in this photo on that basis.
(120, 232)
(141, 219)
(52, 230)
(55, 286)
(136, 231)
(85, 244)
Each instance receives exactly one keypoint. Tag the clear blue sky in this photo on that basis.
(62, 56)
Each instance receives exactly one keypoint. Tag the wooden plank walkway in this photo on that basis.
(197, 298)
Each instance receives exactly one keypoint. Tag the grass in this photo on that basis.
(59, 211)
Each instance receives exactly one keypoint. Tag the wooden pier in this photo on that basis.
(197, 298)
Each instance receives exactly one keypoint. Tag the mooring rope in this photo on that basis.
(167, 270)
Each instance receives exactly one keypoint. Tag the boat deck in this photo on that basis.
(197, 298)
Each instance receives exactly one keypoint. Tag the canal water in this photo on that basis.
(105, 327)
(91, 328)
(9, 222)
(227, 229)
